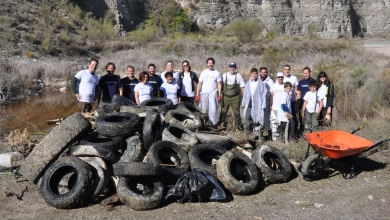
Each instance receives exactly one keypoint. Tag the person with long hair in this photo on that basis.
(187, 82)
(325, 86)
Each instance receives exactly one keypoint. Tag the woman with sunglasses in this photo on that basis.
(186, 83)
(327, 88)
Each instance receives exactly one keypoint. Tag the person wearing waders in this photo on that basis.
(208, 91)
(84, 85)
(232, 90)
(268, 82)
(254, 103)
(284, 114)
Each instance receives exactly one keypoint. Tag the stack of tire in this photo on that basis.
(145, 148)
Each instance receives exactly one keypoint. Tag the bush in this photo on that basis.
(246, 29)
(19, 141)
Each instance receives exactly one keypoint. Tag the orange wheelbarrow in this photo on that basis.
(334, 146)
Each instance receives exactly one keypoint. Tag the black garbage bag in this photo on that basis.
(197, 185)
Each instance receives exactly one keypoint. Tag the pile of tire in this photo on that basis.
(140, 151)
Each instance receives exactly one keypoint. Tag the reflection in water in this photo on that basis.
(33, 112)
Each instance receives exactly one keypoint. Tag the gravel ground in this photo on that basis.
(364, 197)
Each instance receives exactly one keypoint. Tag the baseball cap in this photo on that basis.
(280, 74)
(232, 64)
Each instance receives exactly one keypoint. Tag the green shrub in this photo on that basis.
(142, 35)
(312, 30)
(245, 29)
(272, 34)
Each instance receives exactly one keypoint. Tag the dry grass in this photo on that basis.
(18, 141)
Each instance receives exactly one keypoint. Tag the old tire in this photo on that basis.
(136, 169)
(205, 138)
(100, 175)
(273, 164)
(309, 166)
(121, 100)
(202, 155)
(105, 108)
(134, 152)
(56, 142)
(174, 160)
(160, 104)
(91, 151)
(183, 119)
(117, 124)
(183, 137)
(130, 195)
(191, 107)
(238, 173)
(135, 109)
(151, 128)
(79, 193)
(97, 140)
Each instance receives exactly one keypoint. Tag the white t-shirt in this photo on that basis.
(87, 85)
(175, 79)
(209, 79)
(323, 90)
(186, 89)
(231, 78)
(170, 92)
(294, 81)
(268, 82)
(277, 91)
(287, 101)
(313, 102)
(252, 86)
(144, 91)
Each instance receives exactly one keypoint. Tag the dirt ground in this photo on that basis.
(364, 197)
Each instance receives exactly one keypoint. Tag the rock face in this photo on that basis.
(331, 18)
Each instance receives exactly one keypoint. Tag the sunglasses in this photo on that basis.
(185, 65)
(322, 76)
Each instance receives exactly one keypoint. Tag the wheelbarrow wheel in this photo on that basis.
(310, 165)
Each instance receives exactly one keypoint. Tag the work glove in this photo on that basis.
(219, 98)
(197, 98)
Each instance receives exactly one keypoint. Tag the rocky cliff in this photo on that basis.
(332, 18)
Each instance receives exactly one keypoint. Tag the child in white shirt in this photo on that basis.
(312, 106)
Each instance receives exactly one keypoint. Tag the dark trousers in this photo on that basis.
(294, 130)
(187, 99)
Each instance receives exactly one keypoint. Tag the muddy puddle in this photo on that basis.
(33, 112)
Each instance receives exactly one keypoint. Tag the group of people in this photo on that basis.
(284, 109)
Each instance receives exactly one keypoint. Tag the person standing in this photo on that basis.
(312, 106)
(84, 85)
(154, 80)
(302, 89)
(109, 84)
(277, 90)
(129, 83)
(268, 82)
(294, 82)
(208, 91)
(188, 80)
(175, 74)
(170, 90)
(232, 89)
(143, 90)
(284, 114)
(327, 89)
(254, 102)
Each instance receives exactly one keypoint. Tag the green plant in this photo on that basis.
(245, 29)
(312, 30)
(272, 34)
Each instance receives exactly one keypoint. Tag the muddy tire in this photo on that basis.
(309, 166)
(91, 151)
(238, 173)
(105, 108)
(117, 124)
(136, 169)
(183, 119)
(191, 107)
(79, 191)
(174, 160)
(100, 177)
(183, 137)
(222, 141)
(97, 140)
(130, 194)
(56, 142)
(202, 155)
(121, 100)
(160, 104)
(134, 152)
(273, 164)
(151, 128)
(135, 109)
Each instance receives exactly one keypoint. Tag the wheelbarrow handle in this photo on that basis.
(357, 129)
(377, 144)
